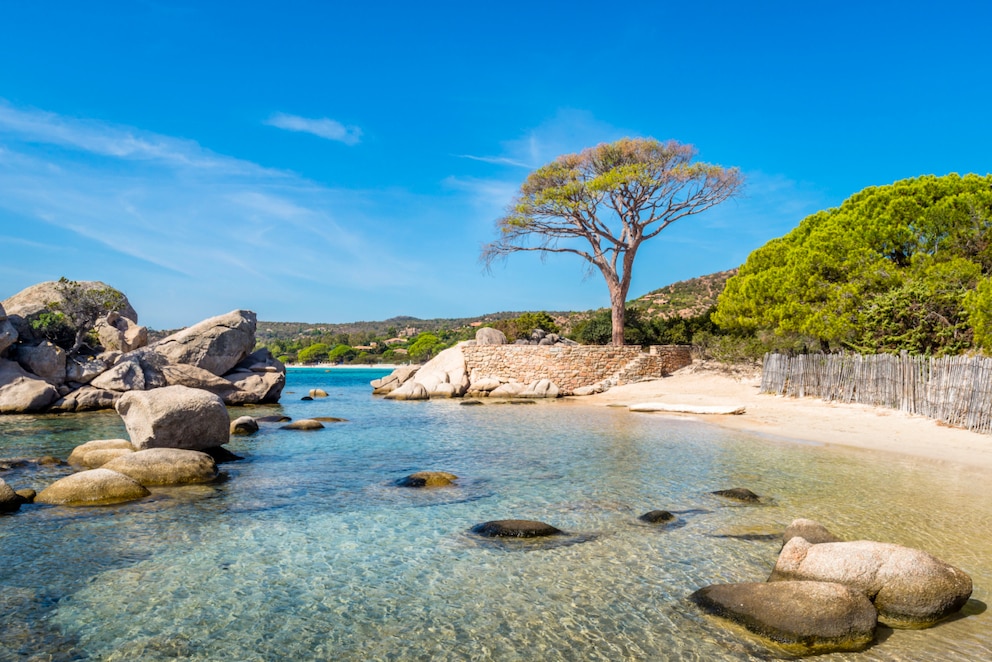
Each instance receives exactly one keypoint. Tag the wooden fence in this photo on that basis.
(954, 389)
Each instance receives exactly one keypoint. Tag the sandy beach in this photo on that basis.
(809, 419)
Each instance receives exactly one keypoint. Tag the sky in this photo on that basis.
(334, 162)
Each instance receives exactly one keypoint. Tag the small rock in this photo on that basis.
(318, 393)
(515, 528)
(657, 517)
(738, 494)
(811, 530)
(48, 461)
(427, 479)
(9, 499)
(27, 494)
(221, 454)
(244, 425)
(273, 419)
(306, 398)
(329, 419)
(304, 424)
(469, 403)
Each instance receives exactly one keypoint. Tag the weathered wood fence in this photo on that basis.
(954, 389)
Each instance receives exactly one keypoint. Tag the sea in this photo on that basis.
(308, 550)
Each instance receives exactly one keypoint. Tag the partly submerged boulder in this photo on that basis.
(166, 466)
(910, 588)
(410, 390)
(9, 499)
(303, 424)
(738, 494)
(806, 617)
(244, 425)
(515, 528)
(95, 487)
(79, 455)
(174, 417)
(657, 517)
(22, 392)
(809, 529)
(427, 479)
(393, 380)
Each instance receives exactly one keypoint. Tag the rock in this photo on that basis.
(83, 370)
(22, 392)
(329, 419)
(27, 495)
(120, 334)
(133, 372)
(807, 617)
(515, 528)
(811, 530)
(27, 305)
(8, 334)
(509, 390)
(77, 457)
(306, 398)
(273, 419)
(95, 487)
(9, 499)
(215, 345)
(446, 375)
(318, 393)
(48, 461)
(427, 479)
(244, 425)
(542, 388)
(484, 385)
(193, 377)
(221, 454)
(97, 458)
(489, 336)
(87, 398)
(304, 424)
(259, 379)
(393, 380)
(410, 390)
(657, 517)
(588, 390)
(910, 588)
(166, 466)
(470, 403)
(738, 494)
(45, 360)
(174, 417)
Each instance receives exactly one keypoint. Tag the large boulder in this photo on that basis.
(258, 379)
(910, 588)
(8, 334)
(216, 344)
(393, 380)
(174, 417)
(193, 377)
(86, 398)
(46, 360)
(445, 375)
(410, 390)
(165, 466)
(95, 487)
(118, 333)
(79, 455)
(22, 392)
(27, 305)
(489, 336)
(807, 617)
(133, 372)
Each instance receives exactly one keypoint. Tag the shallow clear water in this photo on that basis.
(308, 551)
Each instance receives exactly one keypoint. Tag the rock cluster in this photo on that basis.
(214, 355)
(828, 596)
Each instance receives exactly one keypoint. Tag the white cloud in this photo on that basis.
(323, 127)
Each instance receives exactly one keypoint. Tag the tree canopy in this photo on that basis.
(604, 202)
(72, 317)
(898, 267)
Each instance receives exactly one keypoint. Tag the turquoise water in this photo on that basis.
(307, 550)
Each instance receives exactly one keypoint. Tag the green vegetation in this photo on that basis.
(604, 202)
(521, 327)
(899, 267)
(69, 321)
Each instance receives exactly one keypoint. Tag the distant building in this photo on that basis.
(395, 341)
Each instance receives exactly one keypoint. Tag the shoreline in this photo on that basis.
(802, 419)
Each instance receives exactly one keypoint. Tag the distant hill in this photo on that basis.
(683, 299)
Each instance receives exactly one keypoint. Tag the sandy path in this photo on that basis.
(809, 419)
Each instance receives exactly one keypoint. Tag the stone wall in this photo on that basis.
(572, 366)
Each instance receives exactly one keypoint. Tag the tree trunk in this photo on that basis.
(619, 309)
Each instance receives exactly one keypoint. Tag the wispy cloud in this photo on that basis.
(323, 127)
(497, 160)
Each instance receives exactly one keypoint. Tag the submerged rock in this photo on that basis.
(657, 517)
(96, 487)
(807, 617)
(910, 588)
(738, 494)
(427, 479)
(515, 528)
(304, 424)
(809, 529)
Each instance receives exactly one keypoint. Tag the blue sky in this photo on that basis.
(334, 162)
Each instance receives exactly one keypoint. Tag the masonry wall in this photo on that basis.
(572, 366)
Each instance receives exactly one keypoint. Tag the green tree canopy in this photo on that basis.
(604, 202)
(523, 325)
(425, 346)
(73, 316)
(890, 269)
(314, 353)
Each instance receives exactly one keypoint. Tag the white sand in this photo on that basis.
(810, 419)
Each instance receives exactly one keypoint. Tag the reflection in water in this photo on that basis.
(308, 551)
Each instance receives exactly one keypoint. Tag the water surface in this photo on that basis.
(308, 551)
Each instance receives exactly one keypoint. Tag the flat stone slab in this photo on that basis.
(732, 410)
